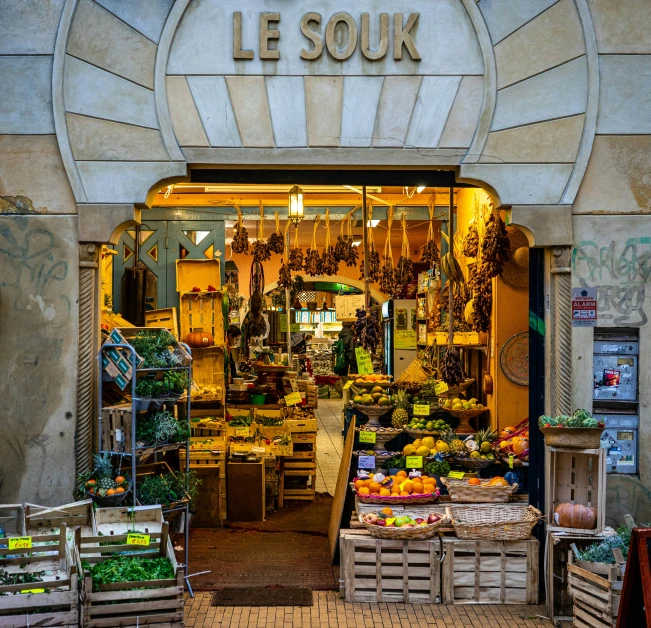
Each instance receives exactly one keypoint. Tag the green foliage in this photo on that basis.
(129, 569)
(436, 467)
(161, 428)
(7, 578)
(602, 552)
(429, 388)
(156, 347)
(175, 381)
(149, 387)
(397, 462)
(581, 418)
(167, 488)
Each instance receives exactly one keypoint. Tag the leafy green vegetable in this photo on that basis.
(437, 468)
(7, 578)
(168, 488)
(581, 418)
(175, 381)
(129, 569)
(397, 462)
(157, 348)
(161, 428)
(149, 387)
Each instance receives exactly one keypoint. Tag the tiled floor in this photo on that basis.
(329, 444)
(332, 611)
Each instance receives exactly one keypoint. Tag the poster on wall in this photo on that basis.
(584, 307)
(405, 339)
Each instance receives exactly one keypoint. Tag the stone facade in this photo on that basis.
(545, 103)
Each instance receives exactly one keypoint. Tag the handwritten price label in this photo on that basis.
(366, 462)
(364, 362)
(138, 539)
(510, 461)
(20, 542)
(242, 431)
(414, 462)
(440, 388)
(293, 399)
(421, 409)
(258, 450)
(26, 591)
(348, 384)
(367, 437)
(456, 475)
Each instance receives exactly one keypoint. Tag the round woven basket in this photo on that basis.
(465, 414)
(402, 534)
(110, 500)
(461, 491)
(472, 463)
(494, 522)
(400, 500)
(574, 437)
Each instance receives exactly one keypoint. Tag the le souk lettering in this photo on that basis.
(340, 35)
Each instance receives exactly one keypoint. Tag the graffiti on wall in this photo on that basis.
(620, 271)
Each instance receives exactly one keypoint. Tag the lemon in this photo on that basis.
(422, 451)
(485, 447)
(428, 442)
(442, 447)
(409, 450)
(475, 454)
(417, 443)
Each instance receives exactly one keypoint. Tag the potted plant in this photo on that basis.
(581, 430)
(174, 385)
(145, 390)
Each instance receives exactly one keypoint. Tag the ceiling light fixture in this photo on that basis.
(295, 210)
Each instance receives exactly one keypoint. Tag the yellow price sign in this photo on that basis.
(293, 399)
(348, 384)
(510, 461)
(26, 591)
(414, 462)
(367, 437)
(242, 431)
(456, 475)
(364, 361)
(421, 409)
(138, 539)
(20, 542)
(440, 388)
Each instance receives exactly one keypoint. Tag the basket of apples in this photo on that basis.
(405, 526)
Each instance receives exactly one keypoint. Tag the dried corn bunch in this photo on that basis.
(405, 268)
(313, 259)
(240, 242)
(277, 239)
(430, 253)
(261, 251)
(451, 370)
(495, 246)
(413, 375)
(387, 272)
(296, 255)
(470, 246)
(482, 298)
(329, 264)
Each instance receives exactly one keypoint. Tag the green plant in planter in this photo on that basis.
(175, 381)
(161, 428)
(148, 387)
(157, 348)
(167, 488)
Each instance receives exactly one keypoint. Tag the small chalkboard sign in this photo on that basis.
(635, 605)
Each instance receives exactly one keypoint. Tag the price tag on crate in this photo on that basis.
(20, 542)
(258, 450)
(138, 539)
(27, 591)
(456, 475)
(366, 462)
(440, 388)
(510, 461)
(421, 409)
(293, 399)
(242, 431)
(348, 384)
(364, 361)
(414, 462)
(367, 437)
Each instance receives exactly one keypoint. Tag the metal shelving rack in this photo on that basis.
(185, 509)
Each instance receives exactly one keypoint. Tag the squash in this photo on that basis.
(197, 339)
(521, 446)
(569, 515)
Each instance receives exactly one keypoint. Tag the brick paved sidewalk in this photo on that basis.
(330, 610)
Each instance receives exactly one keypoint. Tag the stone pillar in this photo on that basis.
(561, 342)
(87, 359)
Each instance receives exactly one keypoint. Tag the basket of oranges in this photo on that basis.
(415, 488)
(497, 489)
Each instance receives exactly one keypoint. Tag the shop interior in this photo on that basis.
(269, 410)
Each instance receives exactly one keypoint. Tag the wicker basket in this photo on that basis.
(493, 523)
(399, 500)
(465, 414)
(573, 437)
(402, 534)
(461, 491)
(420, 433)
(472, 463)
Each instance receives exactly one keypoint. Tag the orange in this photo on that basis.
(119, 489)
(387, 511)
(364, 491)
(111, 491)
(367, 483)
(418, 488)
(498, 481)
(404, 493)
(474, 482)
(119, 479)
(401, 474)
(374, 487)
(408, 486)
(385, 491)
(359, 484)
(395, 489)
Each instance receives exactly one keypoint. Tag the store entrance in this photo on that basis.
(274, 468)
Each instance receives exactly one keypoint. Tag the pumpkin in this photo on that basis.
(569, 515)
(521, 446)
(199, 339)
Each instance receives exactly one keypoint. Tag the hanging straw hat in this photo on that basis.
(516, 271)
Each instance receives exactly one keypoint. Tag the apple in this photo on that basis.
(408, 525)
(419, 520)
(433, 518)
(381, 522)
(370, 517)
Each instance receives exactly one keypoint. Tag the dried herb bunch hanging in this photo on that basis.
(461, 295)
(373, 254)
(261, 251)
(284, 274)
(344, 244)
(405, 268)
(387, 272)
(296, 254)
(329, 264)
(471, 242)
(240, 242)
(351, 254)
(430, 253)
(277, 239)
(495, 246)
(482, 297)
(451, 370)
(367, 329)
(313, 259)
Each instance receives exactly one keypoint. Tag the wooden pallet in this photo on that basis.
(301, 464)
(202, 312)
(166, 318)
(55, 601)
(155, 603)
(490, 572)
(116, 428)
(382, 570)
(596, 599)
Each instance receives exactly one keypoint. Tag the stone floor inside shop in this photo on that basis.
(329, 608)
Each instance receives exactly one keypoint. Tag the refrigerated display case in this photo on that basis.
(400, 330)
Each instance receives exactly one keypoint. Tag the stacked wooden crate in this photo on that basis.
(298, 471)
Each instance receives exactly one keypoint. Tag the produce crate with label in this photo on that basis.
(46, 520)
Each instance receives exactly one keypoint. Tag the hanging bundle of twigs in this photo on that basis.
(495, 246)
(313, 259)
(471, 242)
(351, 255)
(405, 268)
(285, 275)
(373, 260)
(240, 242)
(261, 252)
(277, 239)
(341, 246)
(296, 254)
(387, 272)
(430, 253)
(482, 297)
(329, 264)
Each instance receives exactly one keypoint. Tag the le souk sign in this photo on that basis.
(339, 35)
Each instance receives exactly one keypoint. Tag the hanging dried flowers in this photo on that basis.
(277, 239)
(430, 253)
(329, 264)
(387, 272)
(405, 268)
(284, 275)
(482, 297)
(373, 258)
(341, 246)
(470, 246)
(313, 259)
(240, 242)
(296, 254)
(495, 246)
(261, 251)
(451, 369)
(352, 255)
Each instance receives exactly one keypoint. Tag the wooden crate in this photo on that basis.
(199, 273)
(147, 602)
(45, 520)
(304, 437)
(576, 476)
(12, 519)
(596, 599)
(490, 572)
(165, 317)
(306, 425)
(130, 332)
(210, 506)
(202, 311)
(59, 605)
(213, 457)
(121, 519)
(116, 428)
(382, 570)
(207, 422)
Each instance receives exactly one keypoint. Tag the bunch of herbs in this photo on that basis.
(165, 489)
(156, 347)
(161, 428)
(129, 569)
